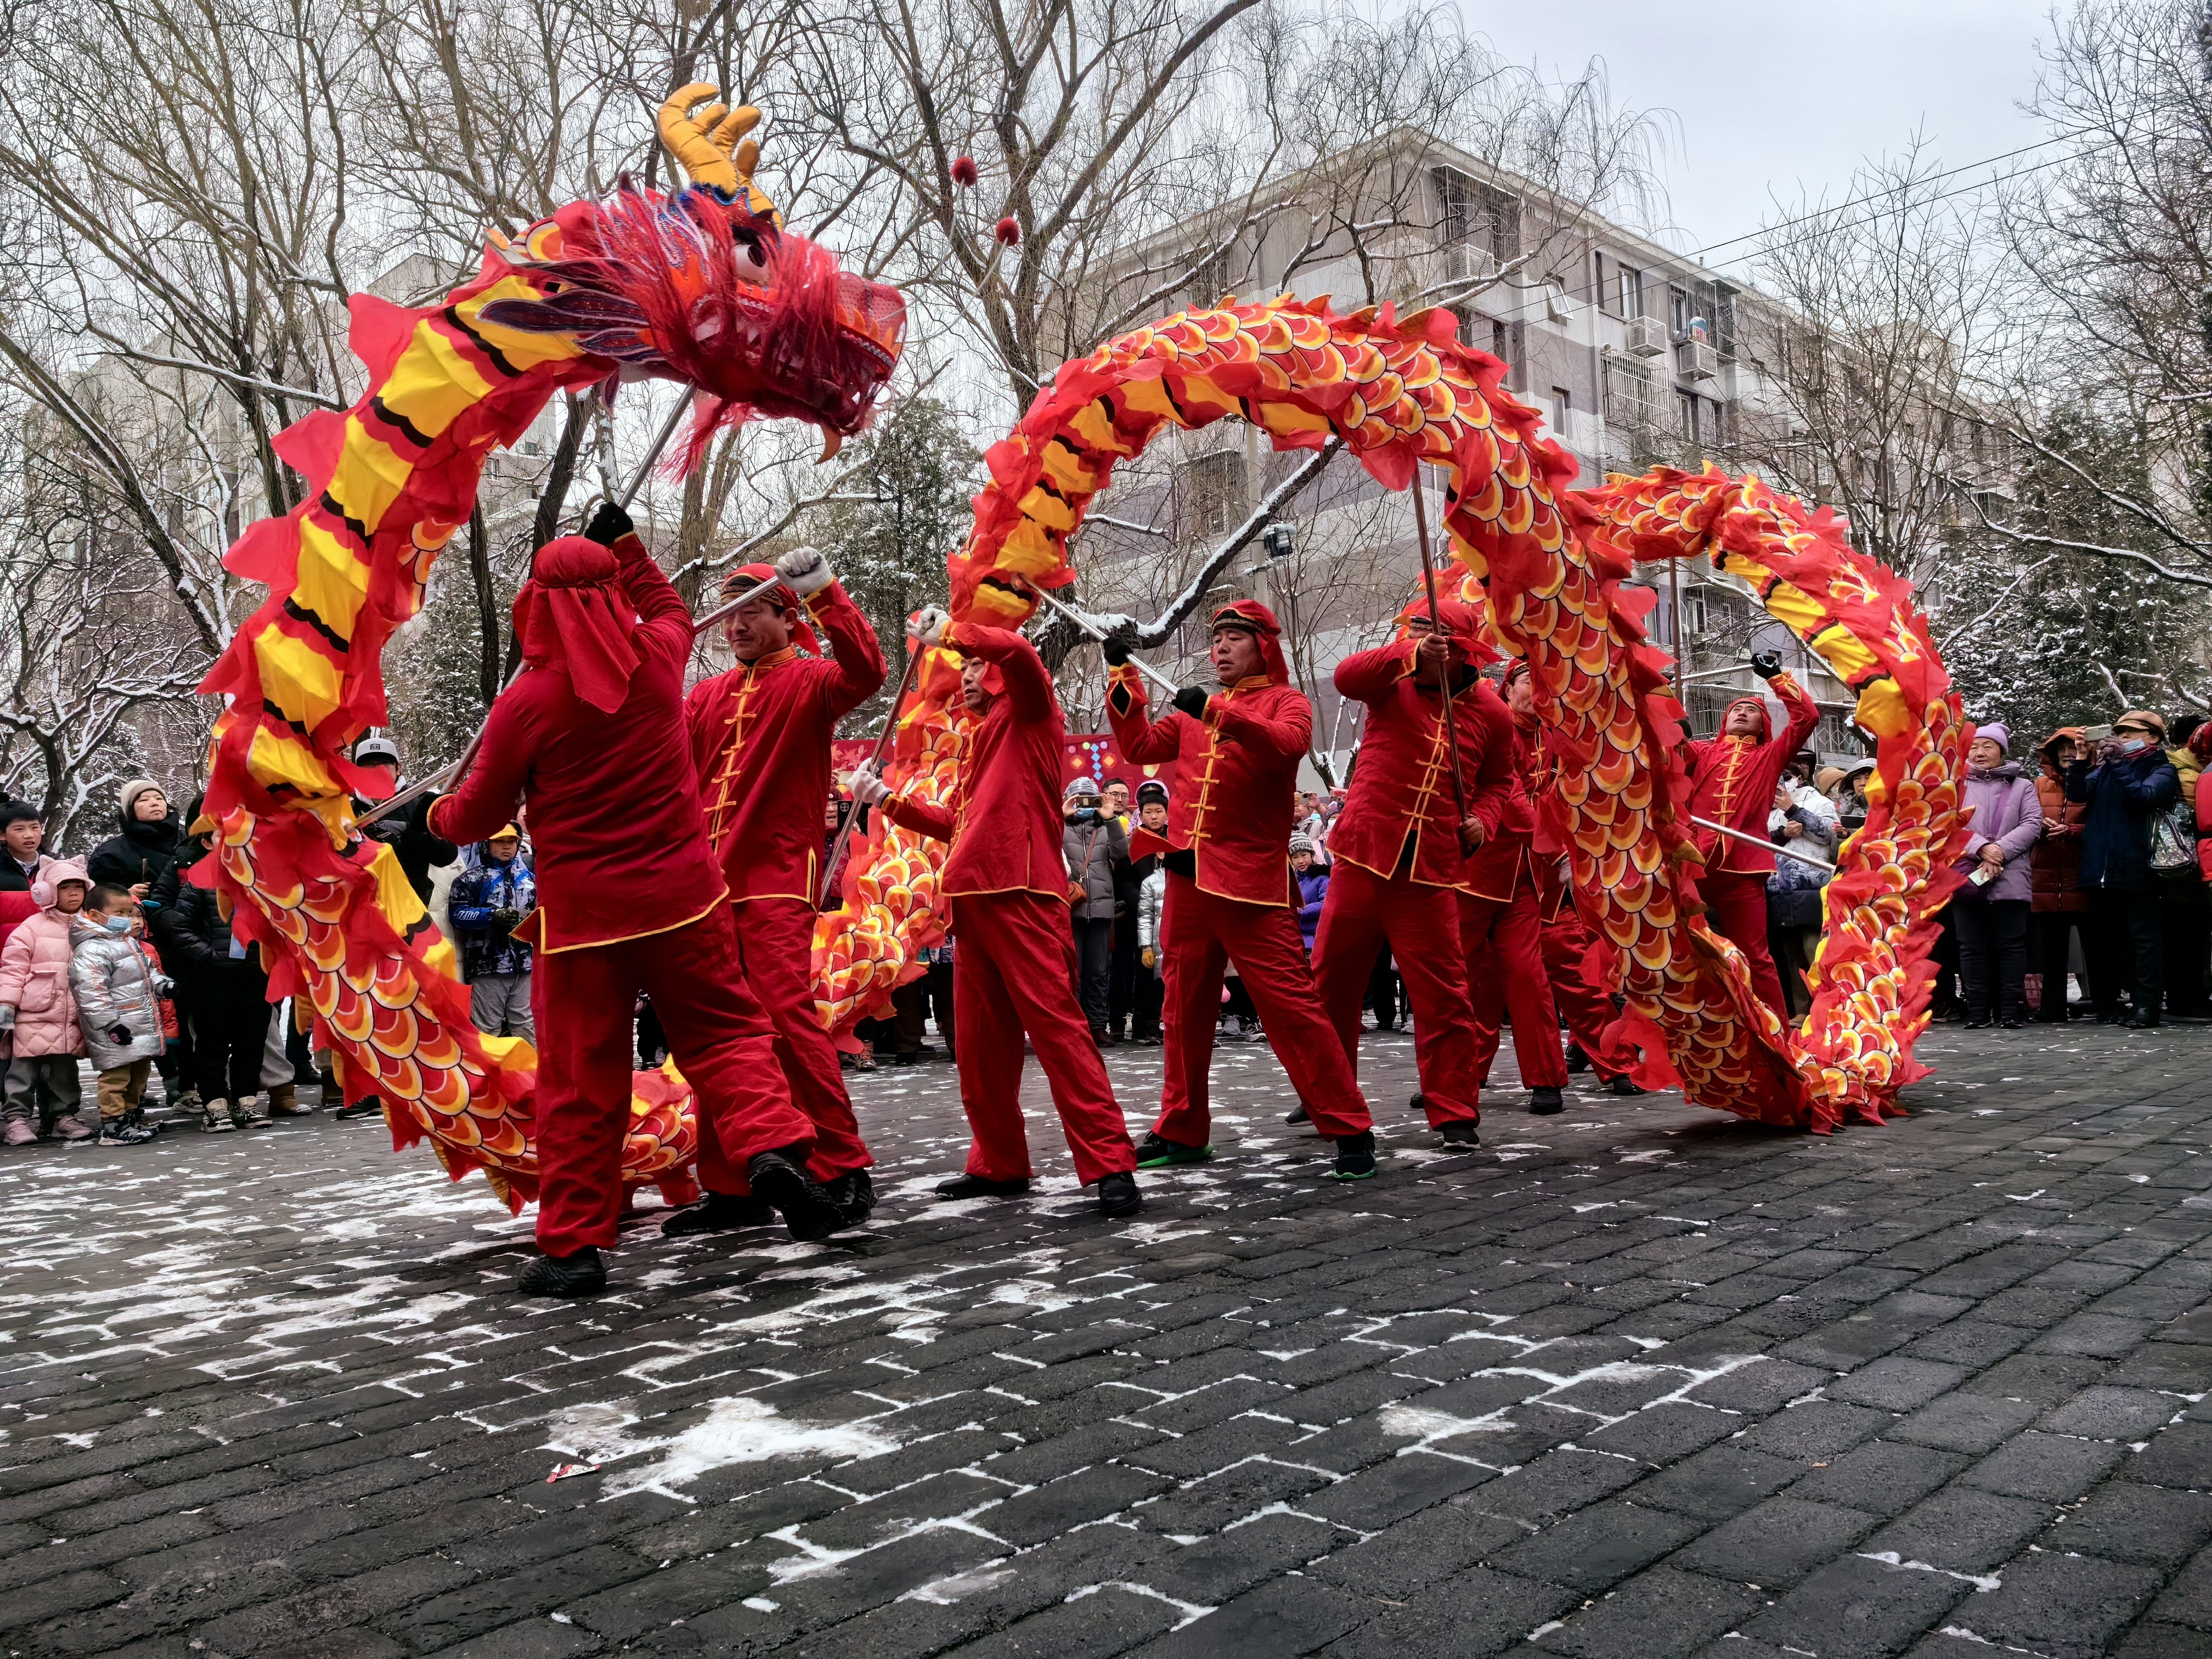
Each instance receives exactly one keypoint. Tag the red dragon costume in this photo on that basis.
(1229, 892)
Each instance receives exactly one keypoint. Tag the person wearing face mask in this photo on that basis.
(1097, 848)
(119, 984)
(2123, 783)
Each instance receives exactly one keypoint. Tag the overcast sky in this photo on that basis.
(1771, 96)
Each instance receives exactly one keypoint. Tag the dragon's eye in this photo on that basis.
(752, 261)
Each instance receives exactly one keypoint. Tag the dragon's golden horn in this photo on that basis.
(705, 143)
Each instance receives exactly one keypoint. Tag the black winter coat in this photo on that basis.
(407, 833)
(141, 852)
(190, 929)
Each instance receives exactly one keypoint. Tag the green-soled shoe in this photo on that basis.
(1154, 1153)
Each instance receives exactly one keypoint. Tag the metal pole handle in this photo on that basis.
(1758, 841)
(1437, 621)
(1097, 633)
(875, 759)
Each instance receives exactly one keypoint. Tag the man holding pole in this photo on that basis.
(760, 738)
(596, 717)
(1007, 881)
(1732, 778)
(1435, 733)
(1229, 890)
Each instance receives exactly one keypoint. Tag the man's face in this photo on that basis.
(1745, 720)
(504, 848)
(758, 629)
(23, 837)
(1236, 655)
(151, 806)
(1520, 698)
(1117, 800)
(971, 685)
(1153, 814)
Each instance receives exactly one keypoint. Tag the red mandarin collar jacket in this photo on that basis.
(760, 742)
(1732, 782)
(1004, 823)
(1401, 783)
(1512, 856)
(1236, 788)
(1539, 762)
(620, 842)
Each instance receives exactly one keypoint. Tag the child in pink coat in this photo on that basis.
(40, 1014)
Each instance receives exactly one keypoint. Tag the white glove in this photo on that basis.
(164, 986)
(927, 625)
(868, 788)
(7, 1017)
(804, 571)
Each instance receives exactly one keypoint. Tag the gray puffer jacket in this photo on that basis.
(118, 989)
(1093, 851)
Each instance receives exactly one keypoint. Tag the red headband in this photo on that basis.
(751, 575)
(573, 615)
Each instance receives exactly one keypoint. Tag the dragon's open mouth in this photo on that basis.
(700, 288)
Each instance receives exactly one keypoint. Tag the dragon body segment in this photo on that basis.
(1551, 562)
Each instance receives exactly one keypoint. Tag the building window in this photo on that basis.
(1476, 216)
(1604, 295)
(1213, 492)
(1632, 291)
(1678, 311)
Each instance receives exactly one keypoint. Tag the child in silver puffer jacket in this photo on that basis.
(118, 986)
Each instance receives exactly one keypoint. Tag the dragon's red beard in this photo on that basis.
(762, 322)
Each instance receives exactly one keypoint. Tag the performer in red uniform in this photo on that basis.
(1400, 846)
(760, 742)
(1732, 776)
(1229, 893)
(1563, 938)
(628, 898)
(1007, 882)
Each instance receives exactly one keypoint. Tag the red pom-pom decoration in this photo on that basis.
(1008, 232)
(963, 171)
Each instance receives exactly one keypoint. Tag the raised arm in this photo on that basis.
(1804, 713)
(1142, 738)
(1029, 686)
(486, 799)
(663, 620)
(858, 658)
(1370, 675)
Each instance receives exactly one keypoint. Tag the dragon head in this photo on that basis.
(706, 285)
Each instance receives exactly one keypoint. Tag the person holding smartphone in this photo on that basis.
(1992, 905)
(2125, 780)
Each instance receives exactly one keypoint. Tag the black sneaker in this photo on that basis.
(854, 1193)
(722, 1213)
(1542, 1103)
(1460, 1131)
(1301, 1115)
(780, 1177)
(1578, 1060)
(1625, 1085)
(1157, 1152)
(1355, 1156)
(1118, 1196)
(373, 1106)
(1417, 1103)
(581, 1274)
(2142, 1019)
(976, 1186)
(124, 1132)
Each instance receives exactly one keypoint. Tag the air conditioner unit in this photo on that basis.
(1697, 360)
(1647, 337)
(1468, 262)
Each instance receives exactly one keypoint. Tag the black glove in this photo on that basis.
(608, 525)
(1191, 700)
(508, 919)
(1115, 649)
(1766, 664)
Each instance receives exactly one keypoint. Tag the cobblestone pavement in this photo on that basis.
(1641, 1380)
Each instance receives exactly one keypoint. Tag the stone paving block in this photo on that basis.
(1594, 1548)
(1660, 1434)
(1896, 1384)
(1964, 1422)
(1766, 1386)
(536, 1639)
(1972, 1343)
(1962, 1530)
(1857, 1608)
(2110, 1413)
(1479, 1612)
(1293, 1615)
(2123, 1521)
(2154, 1639)
(2052, 1468)
(2178, 1456)
(1778, 1542)
(1106, 1621)
(1816, 1429)
(1660, 1613)
(2188, 1599)
(2068, 1607)
(1881, 1477)
(1718, 1482)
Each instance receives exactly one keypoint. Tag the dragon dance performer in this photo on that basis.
(1005, 881)
(760, 744)
(1732, 779)
(1400, 846)
(628, 898)
(1229, 894)
(1564, 938)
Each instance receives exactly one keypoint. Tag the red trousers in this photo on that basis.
(1013, 963)
(723, 1043)
(1200, 933)
(1503, 940)
(1583, 1003)
(776, 946)
(1735, 909)
(1362, 913)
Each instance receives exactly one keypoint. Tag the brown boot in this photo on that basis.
(284, 1102)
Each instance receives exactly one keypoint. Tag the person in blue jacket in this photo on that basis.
(2125, 781)
(1313, 885)
(495, 890)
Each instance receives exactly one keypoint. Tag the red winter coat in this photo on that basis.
(760, 742)
(1401, 780)
(1733, 779)
(1237, 779)
(620, 842)
(1004, 823)
(2054, 865)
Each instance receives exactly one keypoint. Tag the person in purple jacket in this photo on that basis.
(1312, 878)
(1992, 907)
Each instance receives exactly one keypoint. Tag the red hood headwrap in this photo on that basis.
(1460, 620)
(749, 575)
(1252, 615)
(573, 615)
(1766, 715)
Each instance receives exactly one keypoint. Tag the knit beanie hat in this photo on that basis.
(1998, 733)
(1080, 789)
(1301, 843)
